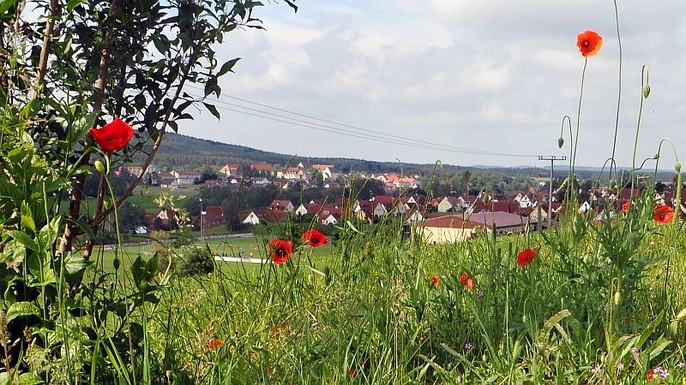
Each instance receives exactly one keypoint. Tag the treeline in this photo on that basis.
(180, 151)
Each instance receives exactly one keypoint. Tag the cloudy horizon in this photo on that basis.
(462, 82)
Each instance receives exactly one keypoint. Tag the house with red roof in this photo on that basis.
(459, 227)
(212, 216)
(281, 206)
(262, 169)
(231, 169)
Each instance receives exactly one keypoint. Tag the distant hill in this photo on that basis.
(184, 151)
(181, 151)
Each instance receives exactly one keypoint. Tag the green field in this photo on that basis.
(250, 247)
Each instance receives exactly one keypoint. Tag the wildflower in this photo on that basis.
(314, 238)
(625, 207)
(525, 257)
(663, 372)
(663, 214)
(589, 43)
(459, 378)
(214, 344)
(278, 329)
(480, 293)
(280, 250)
(650, 375)
(620, 366)
(680, 365)
(468, 346)
(351, 372)
(463, 278)
(434, 281)
(470, 284)
(113, 136)
(635, 353)
(595, 369)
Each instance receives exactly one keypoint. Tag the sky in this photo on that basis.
(483, 82)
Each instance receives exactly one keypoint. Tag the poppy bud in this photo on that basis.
(99, 166)
(618, 297)
(560, 142)
(646, 91)
(677, 166)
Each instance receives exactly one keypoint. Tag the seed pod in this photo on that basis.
(99, 166)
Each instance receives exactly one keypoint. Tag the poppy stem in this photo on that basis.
(578, 123)
(619, 90)
(644, 95)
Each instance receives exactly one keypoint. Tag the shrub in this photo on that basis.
(199, 261)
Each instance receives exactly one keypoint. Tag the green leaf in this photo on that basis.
(75, 264)
(25, 240)
(682, 314)
(22, 309)
(29, 379)
(661, 345)
(73, 4)
(48, 234)
(14, 254)
(548, 326)
(5, 5)
(228, 66)
(27, 217)
(213, 110)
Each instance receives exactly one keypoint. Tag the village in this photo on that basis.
(440, 219)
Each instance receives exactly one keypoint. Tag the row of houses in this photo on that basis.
(438, 225)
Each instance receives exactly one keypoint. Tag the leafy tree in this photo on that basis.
(70, 67)
(131, 217)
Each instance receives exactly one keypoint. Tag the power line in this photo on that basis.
(343, 129)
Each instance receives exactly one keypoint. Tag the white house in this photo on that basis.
(329, 220)
(231, 169)
(251, 219)
(185, 178)
(301, 210)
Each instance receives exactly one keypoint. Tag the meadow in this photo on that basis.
(598, 303)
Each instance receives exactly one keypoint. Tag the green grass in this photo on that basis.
(251, 246)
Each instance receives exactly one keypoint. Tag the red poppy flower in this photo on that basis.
(625, 207)
(434, 281)
(351, 372)
(650, 375)
(589, 43)
(470, 284)
(280, 250)
(113, 136)
(314, 238)
(525, 257)
(663, 214)
(214, 344)
(279, 329)
(463, 278)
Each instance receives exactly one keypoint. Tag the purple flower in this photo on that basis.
(459, 379)
(595, 369)
(680, 365)
(468, 346)
(480, 293)
(620, 366)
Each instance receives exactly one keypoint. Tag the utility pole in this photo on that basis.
(201, 214)
(552, 159)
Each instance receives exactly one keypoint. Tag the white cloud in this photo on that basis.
(496, 75)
